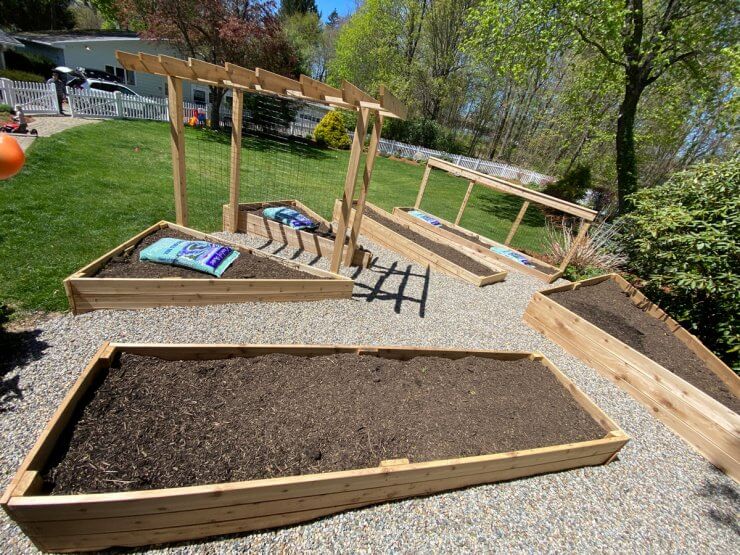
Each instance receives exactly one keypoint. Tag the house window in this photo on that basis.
(123, 75)
(199, 96)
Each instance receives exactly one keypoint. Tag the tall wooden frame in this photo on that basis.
(586, 215)
(239, 80)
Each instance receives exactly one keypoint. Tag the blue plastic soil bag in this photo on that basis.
(426, 217)
(289, 217)
(210, 258)
(512, 254)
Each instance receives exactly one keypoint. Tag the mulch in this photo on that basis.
(450, 253)
(247, 266)
(151, 423)
(472, 238)
(610, 308)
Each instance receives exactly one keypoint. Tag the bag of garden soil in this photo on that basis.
(210, 258)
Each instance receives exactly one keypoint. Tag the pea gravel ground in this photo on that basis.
(659, 496)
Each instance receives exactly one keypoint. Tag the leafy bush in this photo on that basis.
(422, 132)
(683, 239)
(331, 131)
(4, 108)
(17, 75)
(572, 186)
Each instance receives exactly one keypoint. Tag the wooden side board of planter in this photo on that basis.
(375, 231)
(97, 521)
(704, 423)
(551, 274)
(254, 224)
(86, 292)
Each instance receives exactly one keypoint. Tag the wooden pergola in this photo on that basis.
(239, 80)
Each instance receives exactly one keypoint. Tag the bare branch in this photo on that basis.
(599, 47)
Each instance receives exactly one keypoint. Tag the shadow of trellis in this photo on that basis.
(376, 292)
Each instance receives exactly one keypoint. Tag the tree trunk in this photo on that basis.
(217, 95)
(625, 143)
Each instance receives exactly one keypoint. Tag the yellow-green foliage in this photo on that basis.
(331, 131)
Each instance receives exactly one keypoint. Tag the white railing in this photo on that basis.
(498, 169)
(104, 104)
(33, 98)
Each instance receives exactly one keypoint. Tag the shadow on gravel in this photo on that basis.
(376, 292)
(18, 348)
(726, 501)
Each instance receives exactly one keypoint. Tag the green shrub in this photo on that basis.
(17, 75)
(572, 186)
(5, 108)
(331, 131)
(683, 239)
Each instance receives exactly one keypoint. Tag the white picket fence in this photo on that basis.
(33, 98)
(497, 169)
(104, 104)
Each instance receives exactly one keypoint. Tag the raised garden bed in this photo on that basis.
(456, 235)
(424, 248)
(119, 280)
(189, 441)
(319, 242)
(615, 329)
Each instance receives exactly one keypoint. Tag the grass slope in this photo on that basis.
(86, 190)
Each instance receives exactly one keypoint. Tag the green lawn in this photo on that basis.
(88, 189)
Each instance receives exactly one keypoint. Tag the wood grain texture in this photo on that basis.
(709, 427)
(472, 245)
(253, 224)
(88, 522)
(87, 293)
(404, 246)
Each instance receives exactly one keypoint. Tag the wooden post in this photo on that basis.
(464, 202)
(372, 153)
(581, 235)
(177, 136)
(237, 109)
(516, 223)
(423, 185)
(349, 188)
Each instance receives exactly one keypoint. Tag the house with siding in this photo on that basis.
(97, 50)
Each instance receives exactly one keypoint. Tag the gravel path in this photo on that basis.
(658, 496)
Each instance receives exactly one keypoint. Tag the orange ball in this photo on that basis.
(11, 157)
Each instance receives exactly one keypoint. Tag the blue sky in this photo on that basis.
(342, 6)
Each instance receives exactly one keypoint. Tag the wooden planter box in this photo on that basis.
(97, 521)
(86, 292)
(704, 423)
(253, 224)
(551, 274)
(388, 238)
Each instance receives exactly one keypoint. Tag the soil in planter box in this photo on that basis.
(473, 239)
(610, 308)
(247, 266)
(450, 253)
(152, 423)
(322, 231)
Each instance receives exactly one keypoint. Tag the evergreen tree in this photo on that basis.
(292, 7)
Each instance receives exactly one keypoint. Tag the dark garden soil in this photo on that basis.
(538, 265)
(152, 423)
(128, 265)
(610, 308)
(450, 253)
